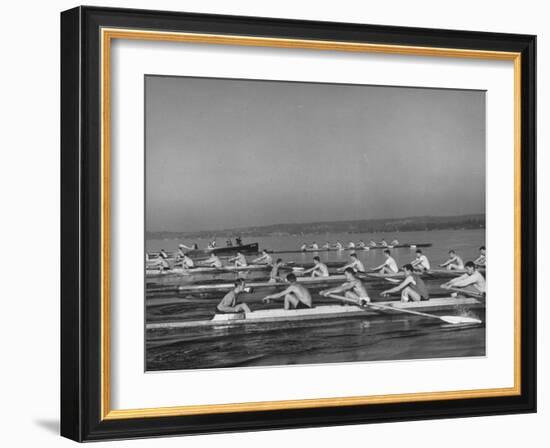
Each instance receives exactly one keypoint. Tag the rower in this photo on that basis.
(296, 295)
(229, 302)
(394, 243)
(353, 289)
(238, 241)
(355, 264)
(274, 275)
(372, 243)
(318, 270)
(421, 262)
(187, 262)
(361, 245)
(339, 245)
(384, 243)
(471, 281)
(412, 288)
(265, 258)
(240, 260)
(163, 261)
(229, 243)
(326, 245)
(351, 245)
(389, 266)
(454, 262)
(212, 244)
(303, 248)
(315, 246)
(214, 261)
(481, 261)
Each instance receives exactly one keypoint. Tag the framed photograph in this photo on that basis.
(273, 223)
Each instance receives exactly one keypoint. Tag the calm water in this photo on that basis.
(396, 337)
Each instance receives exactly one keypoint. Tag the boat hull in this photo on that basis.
(320, 313)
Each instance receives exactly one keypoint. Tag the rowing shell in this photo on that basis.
(333, 249)
(229, 286)
(316, 313)
(207, 270)
(312, 281)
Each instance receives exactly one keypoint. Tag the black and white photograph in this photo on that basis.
(294, 223)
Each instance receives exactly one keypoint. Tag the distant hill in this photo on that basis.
(357, 226)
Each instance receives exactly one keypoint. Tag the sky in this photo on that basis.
(224, 153)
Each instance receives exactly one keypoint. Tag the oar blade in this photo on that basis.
(460, 320)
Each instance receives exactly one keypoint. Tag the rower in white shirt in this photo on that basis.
(421, 262)
(240, 260)
(471, 281)
(389, 266)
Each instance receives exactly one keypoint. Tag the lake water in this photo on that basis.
(384, 337)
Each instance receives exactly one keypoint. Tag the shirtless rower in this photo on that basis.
(318, 270)
(361, 245)
(265, 258)
(355, 264)
(214, 261)
(339, 245)
(394, 243)
(296, 295)
(454, 262)
(481, 261)
(372, 243)
(351, 245)
(389, 266)
(471, 281)
(384, 242)
(229, 302)
(412, 288)
(275, 274)
(303, 247)
(314, 246)
(326, 245)
(240, 260)
(353, 289)
(421, 262)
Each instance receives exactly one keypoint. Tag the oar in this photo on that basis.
(448, 319)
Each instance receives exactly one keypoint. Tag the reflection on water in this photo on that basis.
(373, 338)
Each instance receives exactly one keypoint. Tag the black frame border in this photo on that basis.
(81, 223)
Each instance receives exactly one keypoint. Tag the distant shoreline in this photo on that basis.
(409, 224)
